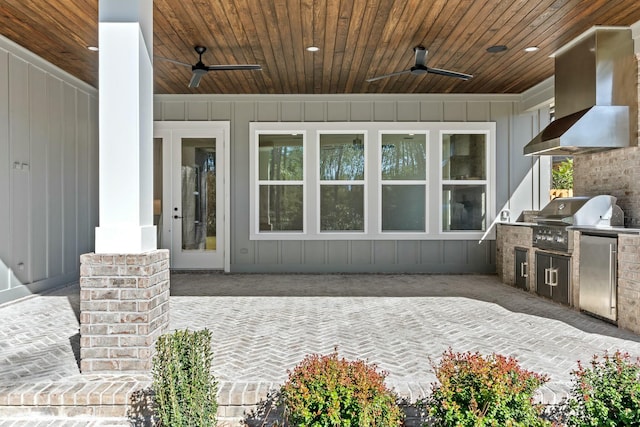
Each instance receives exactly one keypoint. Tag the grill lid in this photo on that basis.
(590, 211)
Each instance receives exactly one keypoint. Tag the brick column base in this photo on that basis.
(124, 308)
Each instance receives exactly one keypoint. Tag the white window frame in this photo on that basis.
(332, 234)
(256, 182)
(396, 234)
(488, 182)
(373, 178)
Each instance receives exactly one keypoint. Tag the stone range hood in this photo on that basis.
(596, 97)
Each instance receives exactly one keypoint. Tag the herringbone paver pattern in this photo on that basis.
(263, 325)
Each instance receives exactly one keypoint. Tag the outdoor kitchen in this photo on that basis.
(584, 251)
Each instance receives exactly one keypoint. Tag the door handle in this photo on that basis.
(177, 217)
(553, 277)
(523, 269)
(547, 276)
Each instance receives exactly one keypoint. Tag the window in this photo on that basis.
(281, 182)
(403, 178)
(464, 181)
(341, 170)
(374, 180)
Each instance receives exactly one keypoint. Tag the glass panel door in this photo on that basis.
(198, 175)
(197, 235)
(193, 199)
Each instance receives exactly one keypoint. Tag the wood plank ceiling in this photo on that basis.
(358, 39)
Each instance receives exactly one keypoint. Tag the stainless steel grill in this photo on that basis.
(550, 231)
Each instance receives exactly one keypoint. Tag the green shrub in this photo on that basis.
(478, 391)
(325, 391)
(607, 394)
(185, 390)
(562, 175)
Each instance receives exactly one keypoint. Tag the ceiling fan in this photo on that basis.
(199, 69)
(420, 68)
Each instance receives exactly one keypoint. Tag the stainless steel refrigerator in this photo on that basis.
(598, 276)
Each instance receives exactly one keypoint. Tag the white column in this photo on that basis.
(126, 127)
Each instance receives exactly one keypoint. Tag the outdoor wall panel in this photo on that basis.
(478, 253)
(94, 172)
(337, 111)
(174, 111)
(158, 108)
(454, 251)
(38, 132)
(357, 255)
(314, 111)
(243, 250)
(478, 111)
(292, 111)
(267, 111)
(54, 177)
(408, 251)
(221, 110)
(19, 109)
(267, 252)
(384, 111)
(361, 252)
(5, 171)
(361, 111)
(292, 252)
(521, 167)
(197, 110)
(501, 113)
(431, 252)
(40, 141)
(338, 253)
(315, 252)
(69, 186)
(408, 111)
(455, 111)
(19, 158)
(82, 164)
(384, 252)
(431, 111)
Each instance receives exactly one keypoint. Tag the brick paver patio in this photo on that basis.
(263, 325)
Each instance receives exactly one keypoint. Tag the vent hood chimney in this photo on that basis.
(596, 96)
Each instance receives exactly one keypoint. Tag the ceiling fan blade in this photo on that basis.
(448, 73)
(196, 77)
(172, 60)
(373, 79)
(233, 67)
(421, 55)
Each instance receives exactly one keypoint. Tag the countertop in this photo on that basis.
(609, 231)
(518, 224)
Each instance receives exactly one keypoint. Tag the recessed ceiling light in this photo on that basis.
(93, 48)
(531, 48)
(313, 48)
(497, 48)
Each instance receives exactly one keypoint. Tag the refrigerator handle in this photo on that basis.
(612, 277)
(553, 277)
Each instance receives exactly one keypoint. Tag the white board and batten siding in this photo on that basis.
(516, 176)
(48, 173)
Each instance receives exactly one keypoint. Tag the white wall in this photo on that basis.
(48, 172)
